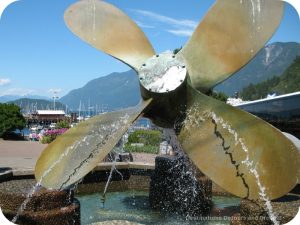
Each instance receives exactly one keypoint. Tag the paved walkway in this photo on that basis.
(24, 154)
(19, 154)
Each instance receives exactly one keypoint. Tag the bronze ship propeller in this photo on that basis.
(240, 152)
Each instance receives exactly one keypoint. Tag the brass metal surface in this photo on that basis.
(240, 152)
(74, 154)
(230, 35)
(108, 29)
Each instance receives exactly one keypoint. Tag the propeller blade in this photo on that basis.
(240, 152)
(74, 154)
(230, 35)
(108, 29)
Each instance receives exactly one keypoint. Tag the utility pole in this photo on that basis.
(54, 98)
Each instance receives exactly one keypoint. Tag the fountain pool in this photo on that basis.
(134, 206)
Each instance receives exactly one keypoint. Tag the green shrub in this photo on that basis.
(146, 137)
(47, 139)
(63, 124)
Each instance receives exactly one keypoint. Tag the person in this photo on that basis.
(40, 136)
(34, 137)
(30, 137)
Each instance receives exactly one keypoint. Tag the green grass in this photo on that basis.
(145, 149)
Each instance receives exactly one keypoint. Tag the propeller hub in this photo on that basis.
(162, 73)
(163, 78)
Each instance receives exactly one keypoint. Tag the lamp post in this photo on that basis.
(54, 98)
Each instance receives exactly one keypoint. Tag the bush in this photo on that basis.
(146, 137)
(150, 138)
(63, 124)
(50, 135)
(10, 119)
(47, 139)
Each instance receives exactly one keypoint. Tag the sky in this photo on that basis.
(39, 55)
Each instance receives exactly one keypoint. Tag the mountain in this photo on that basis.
(119, 90)
(287, 83)
(27, 104)
(270, 61)
(8, 98)
(114, 91)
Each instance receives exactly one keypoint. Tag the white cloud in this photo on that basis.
(140, 24)
(4, 81)
(168, 20)
(55, 90)
(17, 91)
(179, 27)
(182, 32)
(167, 52)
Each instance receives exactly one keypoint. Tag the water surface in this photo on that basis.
(134, 206)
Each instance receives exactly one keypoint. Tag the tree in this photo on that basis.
(63, 124)
(177, 50)
(218, 95)
(10, 118)
(286, 83)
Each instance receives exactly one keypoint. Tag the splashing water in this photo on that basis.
(91, 146)
(27, 200)
(249, 164)
(181, 181)
(191, 173)
(113, 168)
(37, 186)
(85, 141)
(196, 118)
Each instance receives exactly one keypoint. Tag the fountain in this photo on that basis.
(24, 202)
(177, 186)
(239, 152)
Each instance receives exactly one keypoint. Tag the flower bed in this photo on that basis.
(50, 135)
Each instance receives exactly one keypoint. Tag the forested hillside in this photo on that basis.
(287, 83)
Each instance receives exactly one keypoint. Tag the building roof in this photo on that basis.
(50, 112)
(270, 98)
